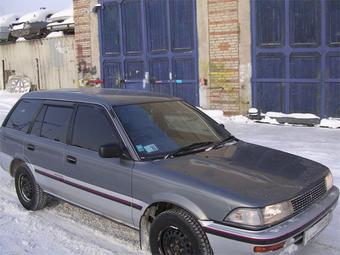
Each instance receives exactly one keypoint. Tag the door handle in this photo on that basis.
(30, 147)
(71, 160)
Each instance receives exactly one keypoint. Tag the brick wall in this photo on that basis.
(82, 30)
(224, 55)
(86, 41)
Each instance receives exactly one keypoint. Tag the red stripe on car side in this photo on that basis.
(96, 192)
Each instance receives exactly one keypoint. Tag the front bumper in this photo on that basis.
(28, 30)
(4, 33)
(230, 240)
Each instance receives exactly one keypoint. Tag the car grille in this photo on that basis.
(302, 202)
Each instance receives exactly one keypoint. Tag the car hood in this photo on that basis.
(248, 173)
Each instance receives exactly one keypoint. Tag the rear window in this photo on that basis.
(22, 115)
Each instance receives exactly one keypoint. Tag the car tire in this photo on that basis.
(177, 232)
(29, 193)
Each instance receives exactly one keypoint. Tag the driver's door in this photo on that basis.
(100, 184)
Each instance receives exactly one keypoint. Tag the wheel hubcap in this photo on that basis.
(174, 242)
(25, 187)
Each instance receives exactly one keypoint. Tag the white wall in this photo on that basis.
(56, 58)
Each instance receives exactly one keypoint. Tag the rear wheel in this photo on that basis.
(29, 193)
(176, 232)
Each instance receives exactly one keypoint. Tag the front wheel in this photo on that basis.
(29, 193)
(176, 232)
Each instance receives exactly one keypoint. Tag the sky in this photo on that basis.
(26, 6)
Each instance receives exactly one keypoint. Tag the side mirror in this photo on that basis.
(221, 126)
(110, 151)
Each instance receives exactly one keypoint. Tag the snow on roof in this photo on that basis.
(65, 22)
(21, 39)
(36, 16)
(61, 15)
(55, 34)
(8, 19)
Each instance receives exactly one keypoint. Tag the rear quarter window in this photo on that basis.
(22, 116)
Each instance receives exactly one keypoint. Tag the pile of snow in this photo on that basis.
(330, 123)
(253, 111)
(212, 113)
(219, 117)
(291, 115)
(269, 120)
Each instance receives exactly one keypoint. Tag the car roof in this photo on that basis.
(102, 96)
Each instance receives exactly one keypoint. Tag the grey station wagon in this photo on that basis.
(163, 167)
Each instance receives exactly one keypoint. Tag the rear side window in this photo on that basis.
(55, 124)
(22, 115)
(36, 128)
(92, 128)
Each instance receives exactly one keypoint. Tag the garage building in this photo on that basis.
(276, 55)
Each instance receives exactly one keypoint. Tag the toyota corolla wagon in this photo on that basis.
(165, 168)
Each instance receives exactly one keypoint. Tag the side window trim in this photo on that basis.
(48, 103)
(35, 116)
(71, 125)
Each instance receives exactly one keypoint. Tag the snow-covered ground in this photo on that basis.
(62, 228)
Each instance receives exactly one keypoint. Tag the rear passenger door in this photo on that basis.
(45, 146)
(101, 184)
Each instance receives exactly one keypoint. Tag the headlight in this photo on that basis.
(277, 212)
(245, 216)
(329, 181)
(262, 216)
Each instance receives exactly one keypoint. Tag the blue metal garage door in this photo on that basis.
(150, 45)
(296, 56)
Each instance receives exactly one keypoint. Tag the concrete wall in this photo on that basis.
(245, 55)
(53, 59)
(203, 52)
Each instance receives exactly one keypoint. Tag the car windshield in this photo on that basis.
(158, 129)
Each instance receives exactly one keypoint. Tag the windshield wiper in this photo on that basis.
(221, 143)
(189, 148)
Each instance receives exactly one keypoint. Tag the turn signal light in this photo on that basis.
(274, 247)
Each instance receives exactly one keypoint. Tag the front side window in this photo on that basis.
(92, 128)
(160, 128)
(56, 122)
(22, 115)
